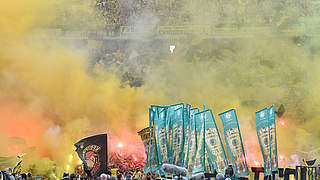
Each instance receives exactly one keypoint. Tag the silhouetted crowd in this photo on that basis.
(138, 174)
(118, 174)
(7, 174)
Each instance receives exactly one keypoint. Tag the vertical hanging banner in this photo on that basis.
(263, 133)
(161, 135)
(147, 165)
(208, 162)
(234, 143)
(214, 147)
(93, 152)
(273, 139)
(154, 161)
(186, 135)
(192, 144)
(177, 136)
(170, 120)
(199, 165)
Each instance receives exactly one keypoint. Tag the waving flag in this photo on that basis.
(214, 147)
(154, 156)
(147, 165)
(273, 140)
(199, 165)
(177, 144)
(170, 120)
(192, 145)
(263, 132)
(234, 142)
(93, 153)
(186, 135)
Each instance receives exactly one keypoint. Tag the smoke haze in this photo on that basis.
(52, 93)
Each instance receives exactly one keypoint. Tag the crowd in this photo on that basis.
(138, 174)
(7, 174)
(114, 173)
(117, 13)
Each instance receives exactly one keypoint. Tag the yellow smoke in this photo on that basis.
(50, 97)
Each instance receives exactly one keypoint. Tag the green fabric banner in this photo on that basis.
(161, 138)
(273, 140)
(263, 133)
(199, 165)
(170, 120)
(154, 161)
(192, 144)
(186, 135)
(147, 166)
(214, 148)
(234, 143)
(177, 137)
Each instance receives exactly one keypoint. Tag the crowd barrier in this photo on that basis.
(287, 173)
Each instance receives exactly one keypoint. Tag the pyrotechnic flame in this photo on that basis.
(282, 123)
(120, 144)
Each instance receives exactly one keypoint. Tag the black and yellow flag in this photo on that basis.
(93, 151)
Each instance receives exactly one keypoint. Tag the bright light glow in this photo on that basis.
(135, 159)
(79, 161)
(282, 123)
(120, 144)
(68, 167)
(256, 163)
(70, 158)
(281, 157)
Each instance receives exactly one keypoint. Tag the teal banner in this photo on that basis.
(215, 153)
(273, 140)
(263, 133)
(170, 120)
(147, 164)
(186, 135)
(154, 161)
(209, 168)
(192, 145)
(177, 137)
(234, 143)
(199, 165)
(160, 131)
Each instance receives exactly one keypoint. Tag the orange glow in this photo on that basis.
(24, 124)
(282, 123)
(120, 145)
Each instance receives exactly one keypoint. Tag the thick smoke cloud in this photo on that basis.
(51, 95)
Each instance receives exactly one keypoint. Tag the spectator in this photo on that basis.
(24, 176)
(229, 174)
(137, 174)
(119, 176)
(103, 176)
(65, 176)
(219, 176)
(73, 176)
(78, 177)
(128, 176)
(114, 172)
(9, 174)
